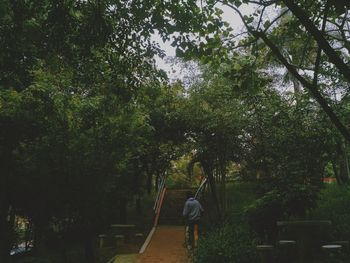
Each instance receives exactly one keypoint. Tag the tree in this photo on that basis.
(324, 28)
(235, 114)
(72, 75)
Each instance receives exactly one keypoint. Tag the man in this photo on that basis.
(192, 214)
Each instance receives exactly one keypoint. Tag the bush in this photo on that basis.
(281, 203)
(263, 213)
(334, 205)
(227, 244)
(179, 181)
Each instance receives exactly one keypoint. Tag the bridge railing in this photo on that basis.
(159, 200)
(201, 188)
(160, 189)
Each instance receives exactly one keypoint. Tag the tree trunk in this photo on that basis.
(342, 163)
(296, 86)
(123, 210)
(39, 237)
(346, 160)
(336, 173)
(224, 195)
(64, 249)
(138, 206)
(4, 240)
(149, 183)
(212, 185)
(89, 249)
(157, 181)
(214, 195)
(343, 171)
(7, 232)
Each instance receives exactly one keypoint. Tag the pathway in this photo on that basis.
(167, 243)
(166, 246)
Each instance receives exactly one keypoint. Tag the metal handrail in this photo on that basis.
(160, 189)
(201, 188)
(159, 207)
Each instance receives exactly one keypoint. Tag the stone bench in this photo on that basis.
(128, 230)
(332, 251)
(111, 241)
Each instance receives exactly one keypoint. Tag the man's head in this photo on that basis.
(189, 194)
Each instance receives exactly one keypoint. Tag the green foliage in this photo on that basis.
(334, 205)
(178, 180)
(240, 194)
(177, 175)
(86, 121)
(263, 214)
(229, 243)
(283, 140)
(235, 240)
(83, 113)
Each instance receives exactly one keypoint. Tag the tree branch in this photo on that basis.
(313, 90)
(322, 42)
(244, 45)
(238, 35)
(325, 47)
(263, 3)
(275, 19)
(260, 18)
(319, 51)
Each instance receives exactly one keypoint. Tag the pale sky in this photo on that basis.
(228, 15)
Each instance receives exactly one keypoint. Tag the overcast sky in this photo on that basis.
(228, 15)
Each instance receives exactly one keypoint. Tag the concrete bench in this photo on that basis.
(344, 244)
(124, 229)
(332, 251)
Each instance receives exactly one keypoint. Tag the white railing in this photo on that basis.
(201, 188)
(160, 190)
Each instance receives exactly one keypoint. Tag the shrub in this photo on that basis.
(334, 205)
(227, 244)
(281, 203)
(263, 213)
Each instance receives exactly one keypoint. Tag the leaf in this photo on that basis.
(238, 3)
(267, 23)
(237, 66)
(179, 52)
(248, 19)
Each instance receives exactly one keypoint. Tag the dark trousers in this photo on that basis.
(191, 231)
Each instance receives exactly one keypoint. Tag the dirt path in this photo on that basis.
(166, 246)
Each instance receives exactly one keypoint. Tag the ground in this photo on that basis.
(166, 246)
